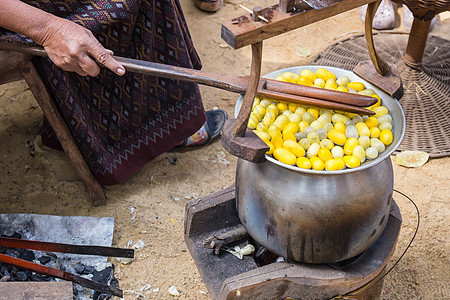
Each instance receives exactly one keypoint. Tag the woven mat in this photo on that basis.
(426, 101)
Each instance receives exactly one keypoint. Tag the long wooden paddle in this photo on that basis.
(285, 91)
(236, 138)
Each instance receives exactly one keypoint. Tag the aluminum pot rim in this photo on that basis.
(393, 104)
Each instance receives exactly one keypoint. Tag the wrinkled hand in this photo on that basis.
(73, 48)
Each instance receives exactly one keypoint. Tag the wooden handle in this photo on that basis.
(241, 122)
(381, 67)
(230, 83)
(318, 93)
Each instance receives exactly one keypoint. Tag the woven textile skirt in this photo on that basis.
(121, 123)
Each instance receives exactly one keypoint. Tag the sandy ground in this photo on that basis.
(150, 205)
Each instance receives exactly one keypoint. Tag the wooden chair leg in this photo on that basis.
(51, 112)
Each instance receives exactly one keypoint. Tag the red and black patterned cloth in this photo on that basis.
(121, 123)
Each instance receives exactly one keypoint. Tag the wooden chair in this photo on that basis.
(16, 66)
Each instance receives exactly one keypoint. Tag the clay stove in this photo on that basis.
(227, 277)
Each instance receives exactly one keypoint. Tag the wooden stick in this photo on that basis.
(216, 242)
(241, 122)
(318, 93)
(381, 67)
(66, 248)
(315, 102)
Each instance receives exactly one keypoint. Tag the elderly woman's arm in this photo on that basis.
(69, 45)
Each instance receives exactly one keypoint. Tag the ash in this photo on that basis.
(57, 229)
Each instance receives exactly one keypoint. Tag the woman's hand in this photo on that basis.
(69, 45)
(74, 48)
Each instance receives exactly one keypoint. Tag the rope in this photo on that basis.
(372, 283)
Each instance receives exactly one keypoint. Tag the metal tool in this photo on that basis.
(63, 248)
(61, 274)
(66, 248)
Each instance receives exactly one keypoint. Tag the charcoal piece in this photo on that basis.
(13, 252)
(37, 277)
(29, 274)
(79, 268)
(16, 235)
(21, 276)
(114, 282)
(264, 257)
(101, 296)
(5, 269)
(5, 278)
(103, 276)
(12, 234)
(77, 290)
(89, 270)
(14, 270)
(44, 259)
(48, 278)
(7, 233)
(27, 255)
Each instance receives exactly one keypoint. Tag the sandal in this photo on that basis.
(209, 5)
(215, 119)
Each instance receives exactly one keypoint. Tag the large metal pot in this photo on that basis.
(318, 216)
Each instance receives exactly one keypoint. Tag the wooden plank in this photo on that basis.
(61, 290)
(243, 31)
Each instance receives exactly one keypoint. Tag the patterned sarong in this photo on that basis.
(121, 123)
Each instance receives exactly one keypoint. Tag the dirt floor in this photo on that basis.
(150, 205)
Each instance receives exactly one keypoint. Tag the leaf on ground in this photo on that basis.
(303, 52)
(411, 159)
